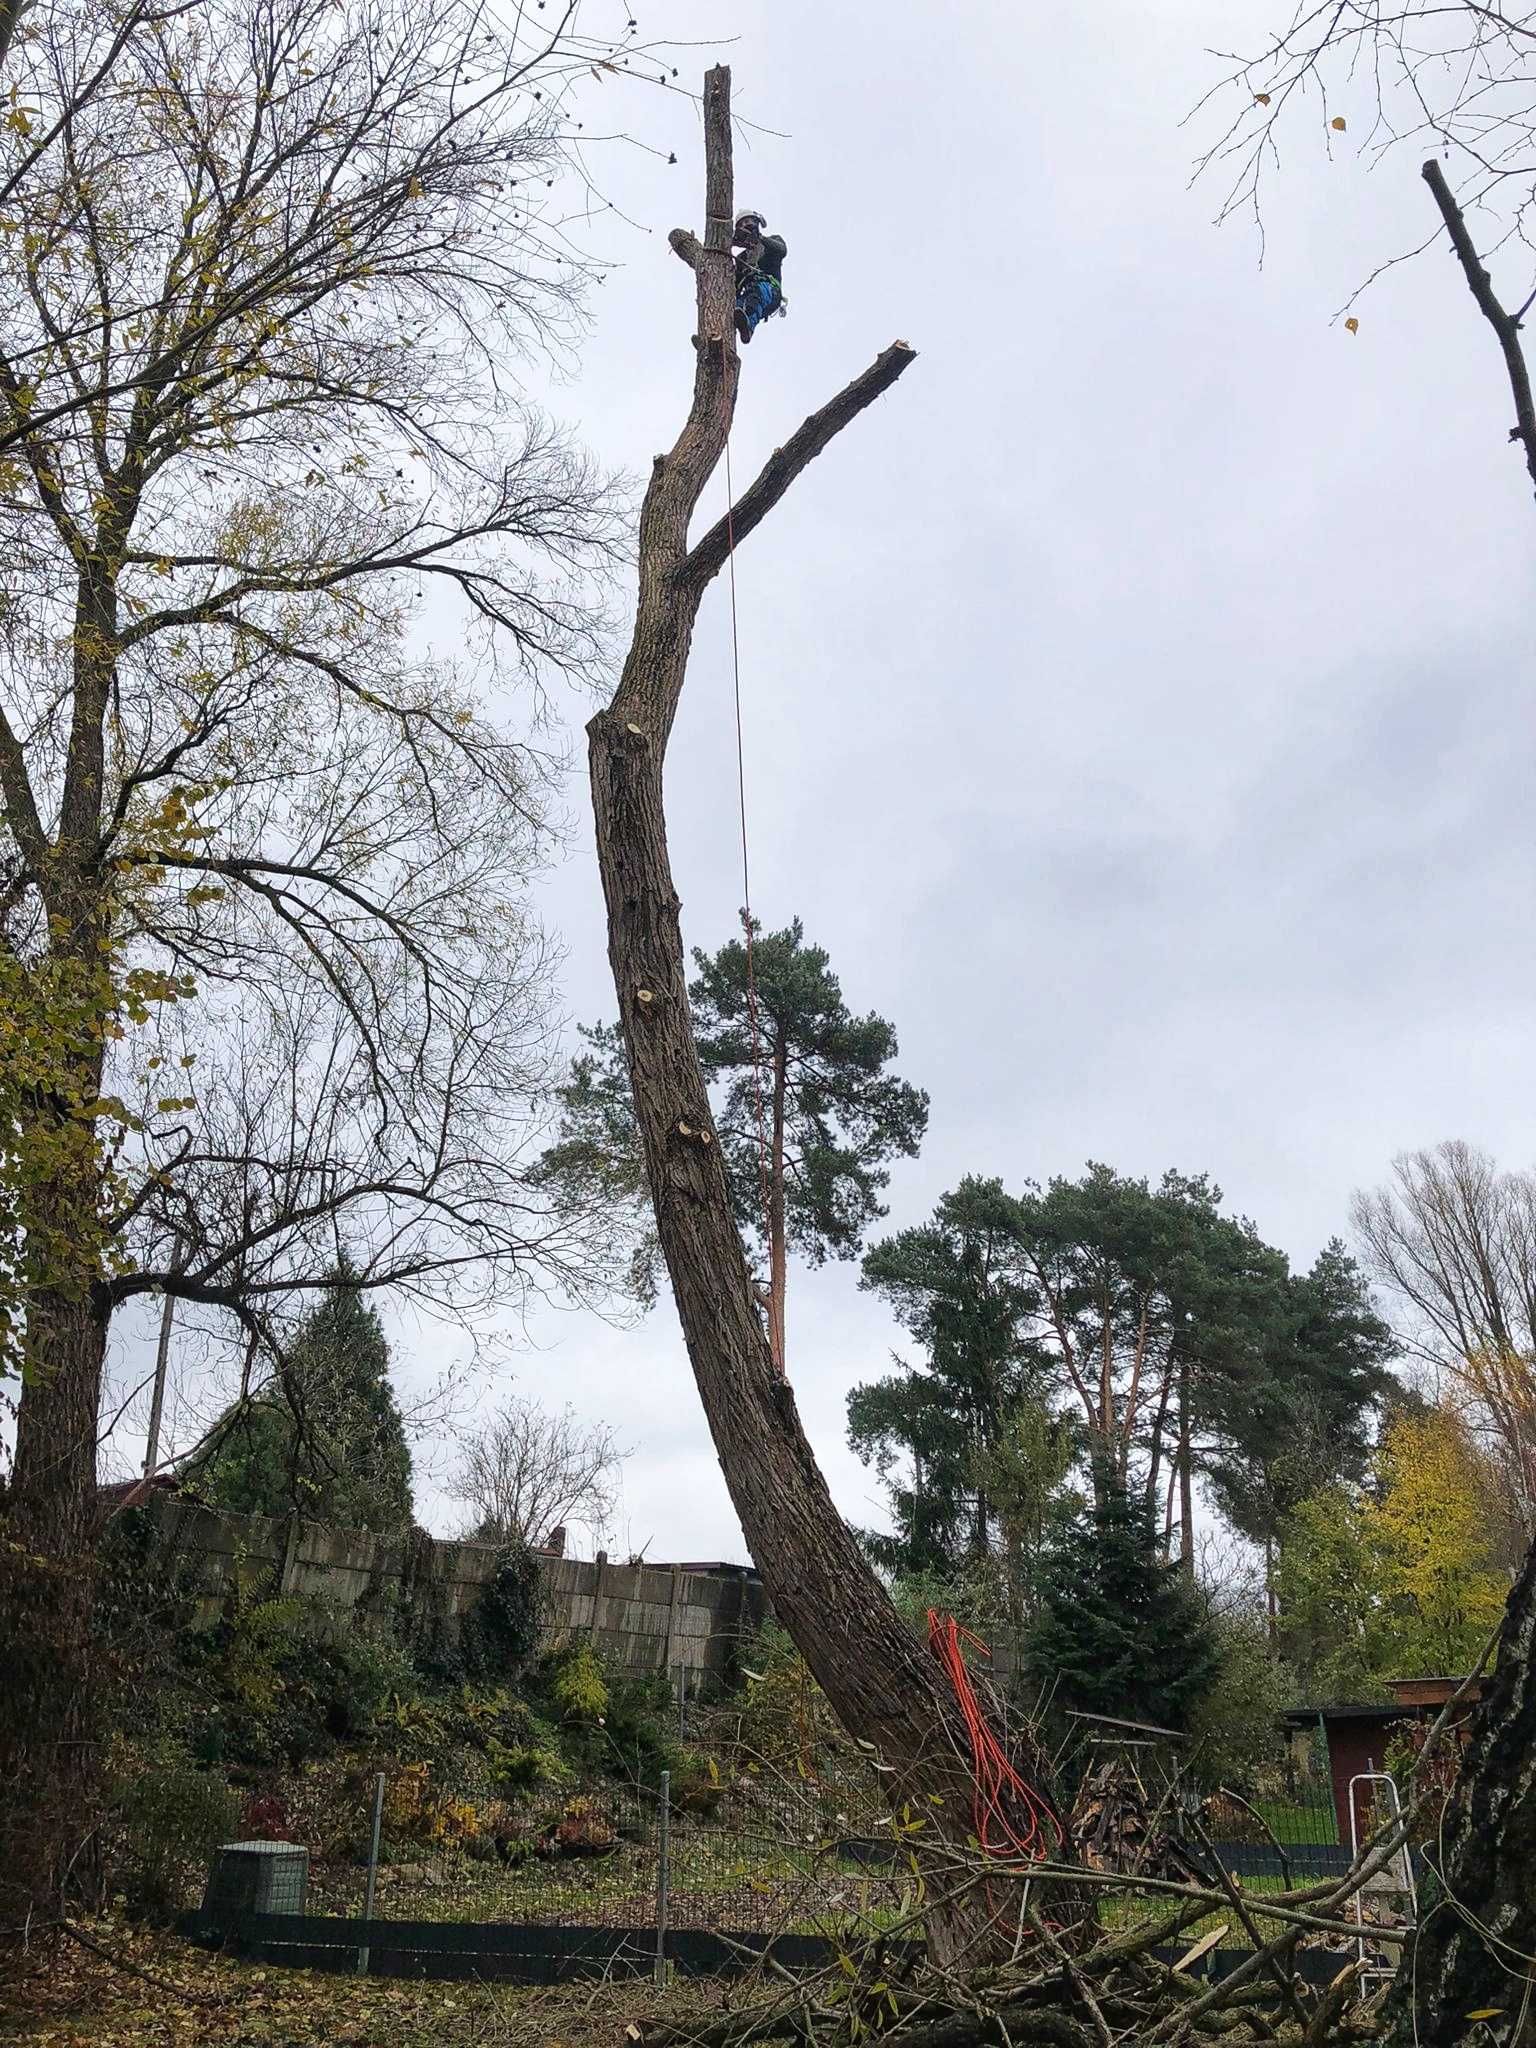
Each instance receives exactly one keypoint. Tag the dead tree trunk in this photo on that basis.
(1477, 1927)
(882, 1683)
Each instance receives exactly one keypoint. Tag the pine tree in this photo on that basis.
(808, 1115)
(325, 1440)
(968, 1450)
(1120, 1632)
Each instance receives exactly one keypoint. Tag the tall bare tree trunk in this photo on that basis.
(1155, 1460)
(48, 1542)
(885, 1687)
(157, 1394)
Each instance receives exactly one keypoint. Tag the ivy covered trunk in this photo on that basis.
(1464, 1975)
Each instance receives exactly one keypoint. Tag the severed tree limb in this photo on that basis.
(883, 1685)
(1506, 325)
(1233, 1891)
(786, 463)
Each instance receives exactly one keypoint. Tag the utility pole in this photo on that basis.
(162, 1363)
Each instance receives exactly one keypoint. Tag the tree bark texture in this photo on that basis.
(49, 1535)
(1477, 1927)
(48, 1545)
(883, 1684)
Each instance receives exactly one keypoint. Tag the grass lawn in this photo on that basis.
(740, 1883)
(1124, 1909)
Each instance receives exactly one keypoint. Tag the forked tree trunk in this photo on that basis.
(885, 1687)
(1477, 1928)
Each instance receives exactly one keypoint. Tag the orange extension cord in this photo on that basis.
(1012, 1820)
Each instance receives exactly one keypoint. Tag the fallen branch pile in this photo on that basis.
(1065, 1986)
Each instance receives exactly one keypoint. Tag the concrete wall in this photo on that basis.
(648, 1617)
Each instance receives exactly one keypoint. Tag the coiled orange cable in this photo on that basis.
(1012, 1820)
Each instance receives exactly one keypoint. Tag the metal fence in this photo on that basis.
(752, 1851)
(743, 1849)
(729, 1852)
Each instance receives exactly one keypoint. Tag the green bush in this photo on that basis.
(578, 1687)
(785, 1717)
(637, 1738)
(697, 1785)
(168, 1822)
(525, 1766)
(1236, 1721)
(286, 1681)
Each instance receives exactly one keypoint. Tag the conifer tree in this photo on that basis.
(325, 1440)
(808, 1113)
(1119, 1632)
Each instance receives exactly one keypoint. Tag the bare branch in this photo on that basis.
(786, 463)
(1505, 325)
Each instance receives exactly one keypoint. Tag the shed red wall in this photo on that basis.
(1354, 1747)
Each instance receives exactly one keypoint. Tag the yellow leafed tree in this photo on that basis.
(1434, 1518)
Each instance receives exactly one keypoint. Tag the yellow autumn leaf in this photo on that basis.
(1262, 98)
(1338, 122)
(1352, 325)
(414, 189)
(1487, 2012)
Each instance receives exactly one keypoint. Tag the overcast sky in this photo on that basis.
(1137, 699)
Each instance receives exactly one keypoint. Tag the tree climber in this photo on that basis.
(759, 273)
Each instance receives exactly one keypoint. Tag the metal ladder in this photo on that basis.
(1394, 1881)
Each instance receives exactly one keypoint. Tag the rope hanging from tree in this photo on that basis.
(763, 1179)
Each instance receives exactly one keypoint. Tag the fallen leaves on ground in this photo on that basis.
(66, 1997)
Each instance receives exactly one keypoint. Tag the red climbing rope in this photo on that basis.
(1011, 1818)
(741, 796)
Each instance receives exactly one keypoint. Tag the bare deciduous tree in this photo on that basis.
(530, 1471)
(1454, 1241)
(270, 984)
(1455, 77)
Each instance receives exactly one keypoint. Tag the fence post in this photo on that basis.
(663, 1845)
(373, 1867)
